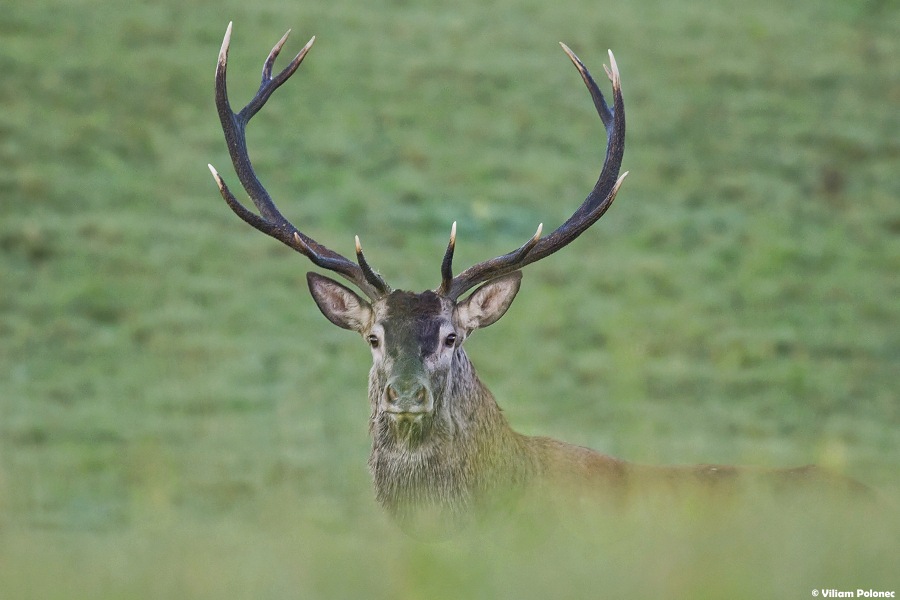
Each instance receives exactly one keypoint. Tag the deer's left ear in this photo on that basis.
(339, 303)
(489, 302)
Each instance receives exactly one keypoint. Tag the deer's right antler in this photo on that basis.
(270, 220)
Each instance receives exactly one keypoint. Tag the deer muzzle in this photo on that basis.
(407, 400)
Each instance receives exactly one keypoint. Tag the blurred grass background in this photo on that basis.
(178, 420)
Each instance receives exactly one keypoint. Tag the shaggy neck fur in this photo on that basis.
(433, 476)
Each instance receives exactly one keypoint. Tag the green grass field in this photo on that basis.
(177, 420)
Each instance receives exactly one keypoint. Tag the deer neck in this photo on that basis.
(448, 470)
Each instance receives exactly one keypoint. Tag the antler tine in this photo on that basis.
(593, 207)
(447, 263)
(371, 276)
(270, 220)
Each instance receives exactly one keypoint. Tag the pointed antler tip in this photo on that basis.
(226, 42)
(216, 176)
(305, 49)
(613, 71)
(276, 50)
(302, 246)
(447, 263)
(577, 62)
(358, 244)
(569, 52)
(300, 55)
(283, 39)
(618, 184)
(452, 243)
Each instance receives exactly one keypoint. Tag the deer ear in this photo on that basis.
(340, 304)
(489, 302)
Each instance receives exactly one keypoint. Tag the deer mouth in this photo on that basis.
(410, 417)
(411, 427)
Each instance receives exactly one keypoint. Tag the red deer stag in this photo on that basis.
(441, 448)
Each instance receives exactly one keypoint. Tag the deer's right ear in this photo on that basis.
(340, 304)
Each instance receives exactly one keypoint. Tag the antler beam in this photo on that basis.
(270, 220)
(593, 207)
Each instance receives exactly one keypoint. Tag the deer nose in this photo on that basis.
(412, 397)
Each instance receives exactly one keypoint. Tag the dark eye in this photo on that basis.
(373, 340)
(450, 340)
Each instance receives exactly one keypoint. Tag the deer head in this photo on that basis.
(416, 342)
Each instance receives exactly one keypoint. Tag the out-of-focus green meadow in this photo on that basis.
(177, 420)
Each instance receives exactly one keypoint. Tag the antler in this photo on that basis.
(593, 207)
(270, 220)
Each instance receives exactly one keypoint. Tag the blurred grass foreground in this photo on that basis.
(177, 420)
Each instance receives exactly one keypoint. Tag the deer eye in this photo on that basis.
(450, 340)
(373, 340)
